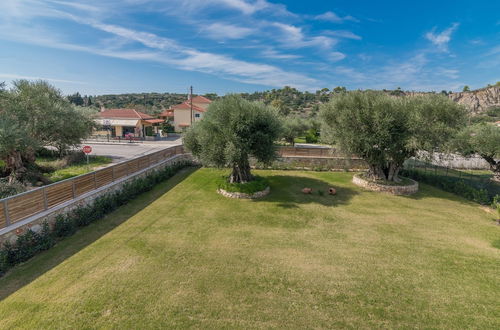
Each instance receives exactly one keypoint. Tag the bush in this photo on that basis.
(64, 226)
(451, 184)
(312, 136)
(9, 189)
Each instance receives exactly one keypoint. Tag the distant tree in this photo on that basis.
(280, 106)
(76, 99)
(339, 89)
(293, 127)
(498, 83)
(385, 131)
(466, 89)
(483, 140)
(211, 96)
(231, 131)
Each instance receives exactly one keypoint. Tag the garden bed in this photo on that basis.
(405, 187)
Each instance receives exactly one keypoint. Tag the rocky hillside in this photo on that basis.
(479, 100)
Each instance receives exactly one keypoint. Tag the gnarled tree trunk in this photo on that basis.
(14, 165)
(388, 172)
(494, 167)
(241, 173)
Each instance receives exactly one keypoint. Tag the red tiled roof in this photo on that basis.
(154, 121)
(167, 113)
(201, 99)
(186, 105)
(124, 113)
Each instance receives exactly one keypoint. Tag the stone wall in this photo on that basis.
(320, 164)
(395, 190)
(240, 195)
(9, 234)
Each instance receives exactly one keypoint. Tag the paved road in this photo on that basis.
(121, 152)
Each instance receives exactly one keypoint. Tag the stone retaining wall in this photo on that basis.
(395, 190)
(9, 234)
(230, 194)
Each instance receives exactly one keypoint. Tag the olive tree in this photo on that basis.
(231, 131)
(39, 116)
(482, 140)
(293, 127)
(386, 130)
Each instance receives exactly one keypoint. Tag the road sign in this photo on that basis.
(87, 149)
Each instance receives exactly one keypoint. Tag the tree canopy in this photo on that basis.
(483, 140)
(386, 130)
(231, 131)
(33, 115)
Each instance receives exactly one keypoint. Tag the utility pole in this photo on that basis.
(191, 102)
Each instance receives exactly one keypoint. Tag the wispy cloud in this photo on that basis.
(17, 76)
(273, 54)
(441, 40)
(330, 16)
(343, 34)
(222, 31)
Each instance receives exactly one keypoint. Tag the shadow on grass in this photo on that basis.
(286, 191)
(27, 272)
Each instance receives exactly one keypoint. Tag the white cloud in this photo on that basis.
(441, 40)
(343, 34)
(293, 37)
(330, 16)
(223, 31)
(271, 53)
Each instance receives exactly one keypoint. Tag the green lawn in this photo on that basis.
(184, 256)
(67, 172)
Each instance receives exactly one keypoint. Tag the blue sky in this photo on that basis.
(118, 46)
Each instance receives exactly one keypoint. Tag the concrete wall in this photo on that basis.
(183, 116)
(9, 234)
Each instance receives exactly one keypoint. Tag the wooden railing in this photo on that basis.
(18, 207)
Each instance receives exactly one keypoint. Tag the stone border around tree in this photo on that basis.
(240, 195)
(395, 190)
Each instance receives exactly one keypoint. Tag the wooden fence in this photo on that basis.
(16, 208)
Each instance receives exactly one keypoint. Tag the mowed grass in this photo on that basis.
(184, 256)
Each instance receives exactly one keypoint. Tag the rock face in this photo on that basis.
(477, 101)
(480, 100)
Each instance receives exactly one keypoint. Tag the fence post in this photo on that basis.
(6, 214)
(73, 187)
(113, 173)
(95, 181)
(45, 204)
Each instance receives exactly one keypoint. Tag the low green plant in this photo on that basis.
(256, 185)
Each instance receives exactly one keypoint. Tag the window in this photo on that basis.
(197, 115)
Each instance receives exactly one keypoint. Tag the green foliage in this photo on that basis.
(26, 246)
(231, 131)
(312, 136)
(451, 184)
(30, 243)
(256, 185)
(481, 139)
(36, 114)
(466, 89)
(10, 188)
(293, 127)
(385, 130)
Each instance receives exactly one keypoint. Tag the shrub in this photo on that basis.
(10, 188)
(451, 184)
(64, 226)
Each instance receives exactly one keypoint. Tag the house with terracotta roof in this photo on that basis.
(180, 115)
(120, 122)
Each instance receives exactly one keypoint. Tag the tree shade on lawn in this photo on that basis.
(232, 130)
(182, 256)
(386, 130)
